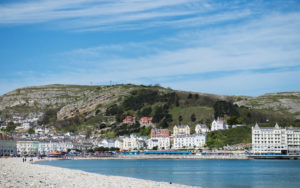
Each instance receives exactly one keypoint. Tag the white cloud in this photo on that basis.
(47, 10)
(94, 15)
(270, 42)
(243, 41)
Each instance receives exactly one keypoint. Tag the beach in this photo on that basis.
(15, 173)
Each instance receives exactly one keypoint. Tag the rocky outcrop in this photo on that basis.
(52, 96)
(283, 102)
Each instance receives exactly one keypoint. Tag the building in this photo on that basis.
(130, 120)
(162, 143)
(159, 133)
(24, 126)
(7, 146)
(119, 142)
(195, 141)
(107, 143)
(181, 130)
(275, 139)
(27, 147)
(146, 121)
(41, 130)
(130, 143)
(133, 142)
(52, 146)
(201, 129)
(218, 124)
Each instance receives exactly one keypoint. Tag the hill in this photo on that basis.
(100, 109)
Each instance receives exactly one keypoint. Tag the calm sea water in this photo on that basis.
(204, 173)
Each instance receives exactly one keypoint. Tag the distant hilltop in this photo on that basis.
(106, 105)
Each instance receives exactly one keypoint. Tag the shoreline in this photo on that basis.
(15, 173)
(134, 157)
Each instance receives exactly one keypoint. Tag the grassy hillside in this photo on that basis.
(203, 114)
(220, 138)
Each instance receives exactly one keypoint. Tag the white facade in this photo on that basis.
(24, 126)
(275, 139)
(119, 143)
(134, 142)
(41, 130)
(47, 147)
(293, 140)
(181, 130)
(189, 142)
(107, 143)
(218, 125)
(160, 142)
(130, 143)
(27, 147)
(201, 129)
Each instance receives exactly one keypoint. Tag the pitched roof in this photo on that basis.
(256, 126)
(181, 126)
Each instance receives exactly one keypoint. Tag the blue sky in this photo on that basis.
(222, 47)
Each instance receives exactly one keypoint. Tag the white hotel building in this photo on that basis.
(275, 139)
(36, 147)
(162, 143)
(195, 141)
(27, 147)
(47, 147)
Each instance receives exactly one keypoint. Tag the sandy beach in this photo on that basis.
(15, 173)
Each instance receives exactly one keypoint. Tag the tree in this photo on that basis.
(190, 96)
(48, 117)
(146, 111)
(180, 119)
(155, 148)
(90, 150)
(164, 123)
(145, 131)
(113, 110)
(158, 115)
(223, 108)
(139, 98)
(11, 127)
(31, 131)
(177, 101)
(193, 117)
(234, 120)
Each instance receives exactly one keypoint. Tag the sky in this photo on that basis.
(221, 47)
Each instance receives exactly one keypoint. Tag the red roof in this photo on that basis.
(146, 120)
(129, 119)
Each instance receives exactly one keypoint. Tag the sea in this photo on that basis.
(203, 173)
